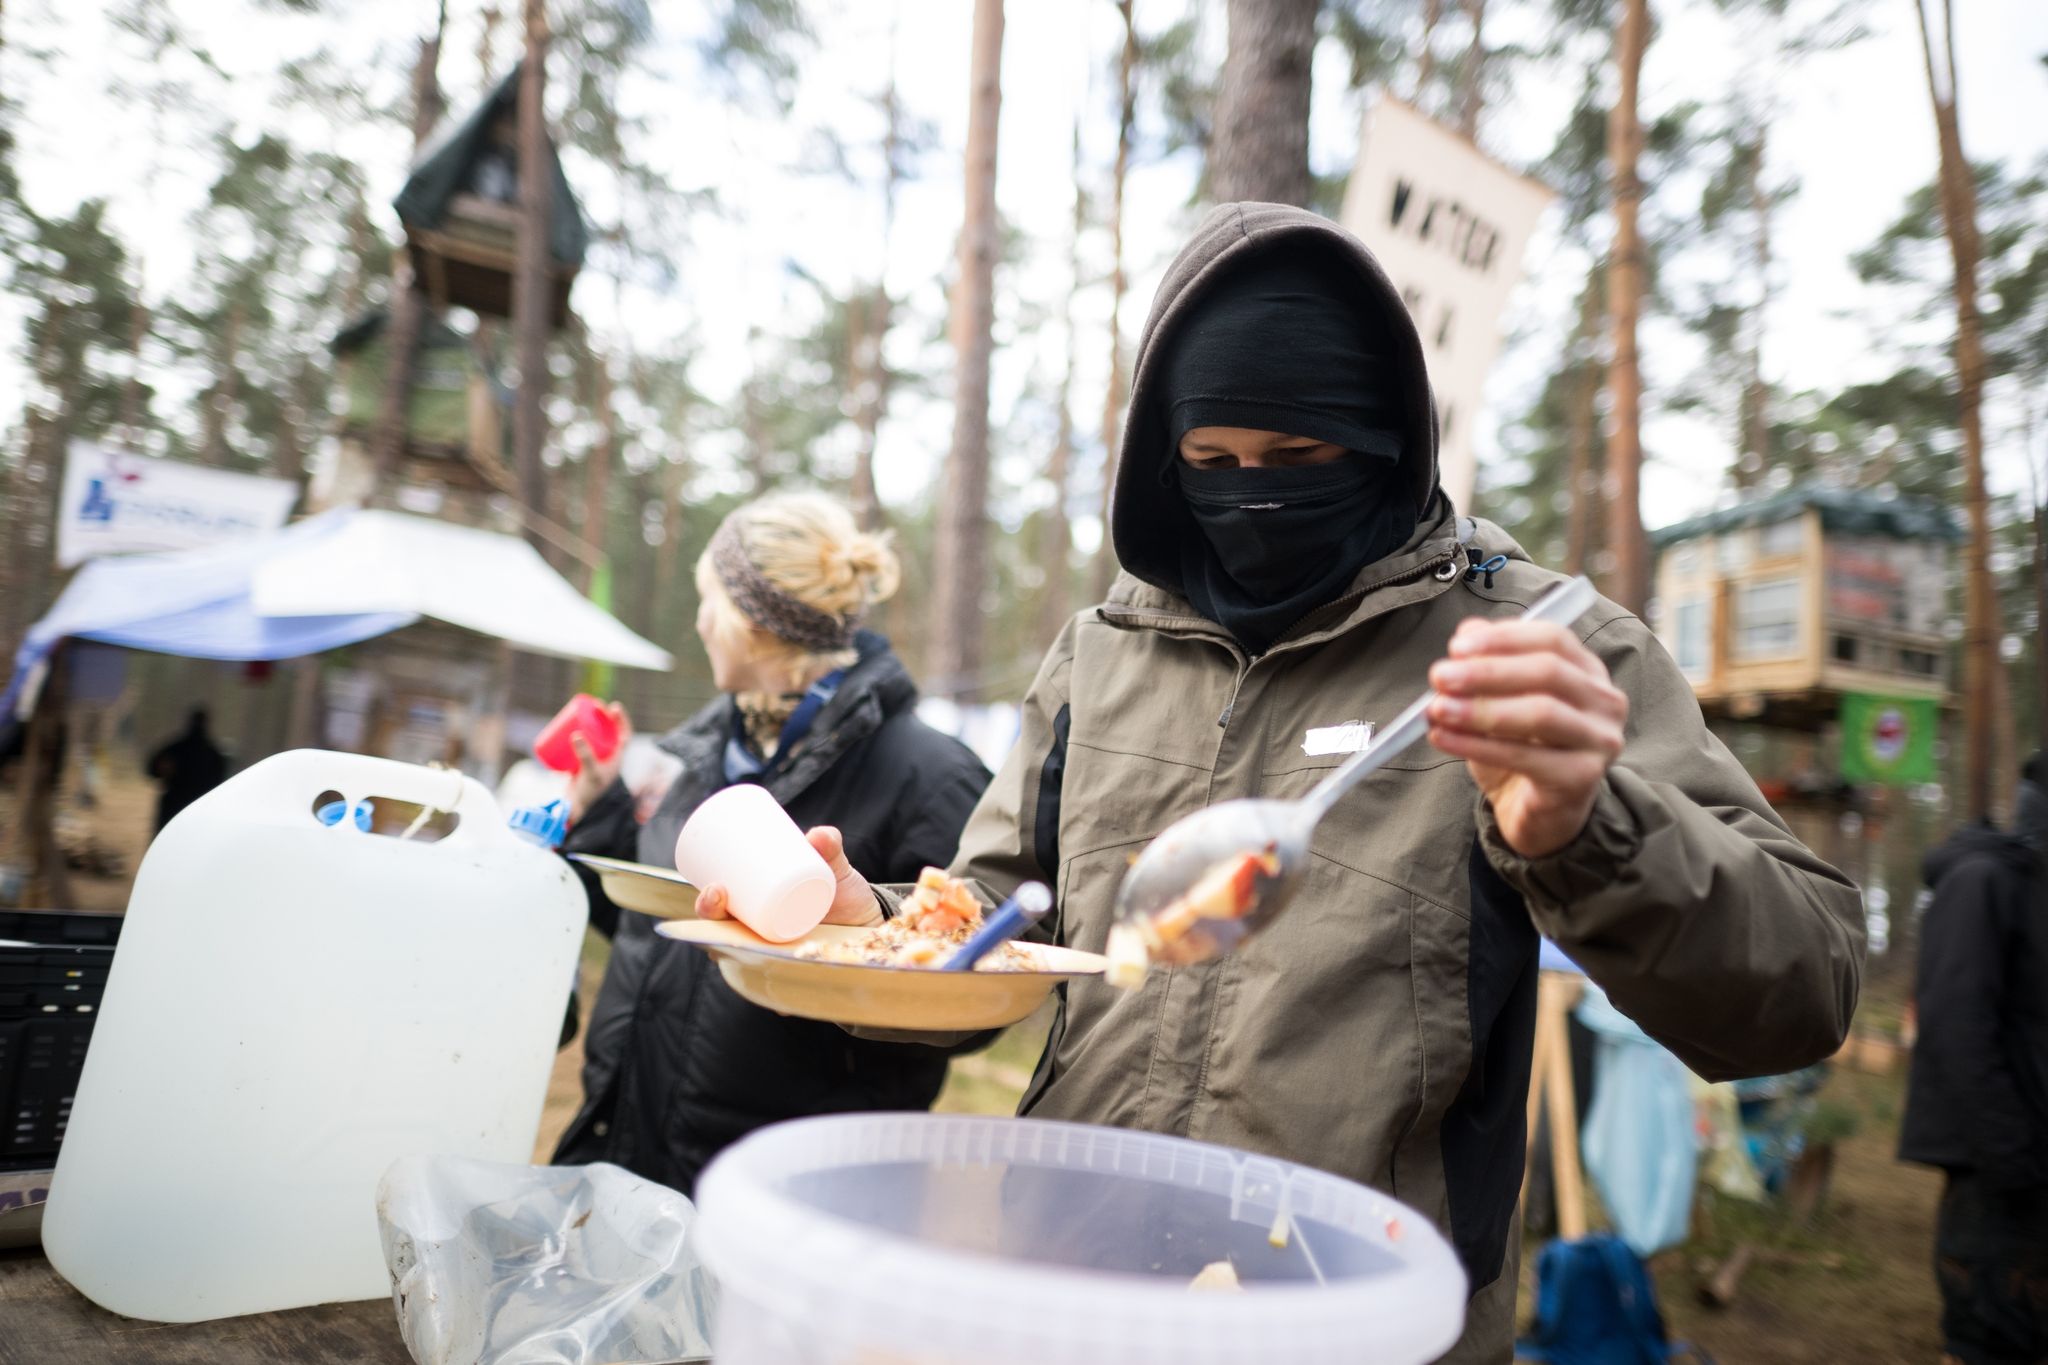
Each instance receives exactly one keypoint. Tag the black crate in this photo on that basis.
(50, 993)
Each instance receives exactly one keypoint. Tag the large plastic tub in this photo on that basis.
(918, 1239)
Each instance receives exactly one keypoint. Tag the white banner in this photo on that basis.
(1450, 226)
(116, 503)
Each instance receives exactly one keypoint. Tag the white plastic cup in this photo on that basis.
(743, 840)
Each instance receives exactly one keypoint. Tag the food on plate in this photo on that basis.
(1228, 890)
(1217, 1277)
(935, 920)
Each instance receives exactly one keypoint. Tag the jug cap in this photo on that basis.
(546, 825)
(334, 812)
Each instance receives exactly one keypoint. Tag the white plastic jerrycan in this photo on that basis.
(295, 1005)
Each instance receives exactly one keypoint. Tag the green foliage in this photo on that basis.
(1831, 1121)
(756, 40)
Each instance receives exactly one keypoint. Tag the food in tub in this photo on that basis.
(1229, 890)
(934, 922)
(1217, 1277)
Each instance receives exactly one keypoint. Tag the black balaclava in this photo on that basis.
(1274, 346)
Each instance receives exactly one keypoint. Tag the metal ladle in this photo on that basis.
(1197, 844)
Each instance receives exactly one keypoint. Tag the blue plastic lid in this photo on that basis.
(334, 812)
(546, 825)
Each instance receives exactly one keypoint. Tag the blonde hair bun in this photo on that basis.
(809, 545)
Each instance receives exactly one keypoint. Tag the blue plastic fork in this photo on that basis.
(1011, 918)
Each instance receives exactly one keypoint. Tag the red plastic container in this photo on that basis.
(584, 715)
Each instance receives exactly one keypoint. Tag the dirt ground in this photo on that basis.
(1854, 1286)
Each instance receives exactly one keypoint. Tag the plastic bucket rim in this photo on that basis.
(761, 1252)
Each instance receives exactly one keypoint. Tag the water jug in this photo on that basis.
(296, 1003)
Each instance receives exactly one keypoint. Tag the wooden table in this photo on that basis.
(43, 1321)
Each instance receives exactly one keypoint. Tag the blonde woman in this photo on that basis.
(820, 713)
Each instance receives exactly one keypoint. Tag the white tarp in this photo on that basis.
(484, 581)
(114, 503)
(1450, 226)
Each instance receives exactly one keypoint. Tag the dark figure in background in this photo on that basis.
(189, 767)
(1977, 1103)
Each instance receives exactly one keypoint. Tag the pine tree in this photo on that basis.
(960, 566)
(1260, 144)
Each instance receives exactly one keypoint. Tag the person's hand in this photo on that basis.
(853, 900)
(594, 774)
(1537, 721)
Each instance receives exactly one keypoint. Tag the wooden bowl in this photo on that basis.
(918, 999)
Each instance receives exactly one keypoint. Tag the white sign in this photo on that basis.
(1449, 224)
(116, 503)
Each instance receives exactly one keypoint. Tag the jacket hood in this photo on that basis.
(1148, 523)
(1974, 841)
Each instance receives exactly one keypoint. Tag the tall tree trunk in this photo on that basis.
(1260, 148)
(753, 423)
(426, 84)
(871, 364)
(961, 560)
(408, 307)
(532, 286)
(1631, 581)
(1425, 67)
(2040, 615)
(131, 392)
(1958, 195)
(227, 388)
(1755, 437)
(2039, 565)
(294, 420)
(870, 371)
(1113, 397)
(1056, 551)
(597, 465)
(487, 42)
(1471, 94)
(1582, 519)
(34, 489)
(42, 774)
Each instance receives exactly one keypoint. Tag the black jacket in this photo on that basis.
(676, 1065)
(1978, 1093)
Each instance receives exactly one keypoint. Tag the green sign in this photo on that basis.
(1888, 740)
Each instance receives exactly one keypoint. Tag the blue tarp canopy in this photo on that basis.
(325, 582)
(194, 603)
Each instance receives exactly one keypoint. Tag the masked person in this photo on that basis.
(823, 715)
(1290, 565)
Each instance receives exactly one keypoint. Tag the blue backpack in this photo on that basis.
(1595, 1306)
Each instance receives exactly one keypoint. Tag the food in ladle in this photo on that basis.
(934, 922)
(1229, 890)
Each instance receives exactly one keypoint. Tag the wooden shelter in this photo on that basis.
(460, 208)
(453, 452)
(1776, 607)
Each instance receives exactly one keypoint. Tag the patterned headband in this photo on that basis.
(768, 606)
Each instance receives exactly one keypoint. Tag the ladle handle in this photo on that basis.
(1562, 605)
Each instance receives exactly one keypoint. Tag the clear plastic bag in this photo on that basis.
(541, 1265)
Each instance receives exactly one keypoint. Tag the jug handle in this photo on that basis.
(294, 778)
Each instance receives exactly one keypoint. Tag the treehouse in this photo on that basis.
(453, 457)
(1777, 608)
(460, 208)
